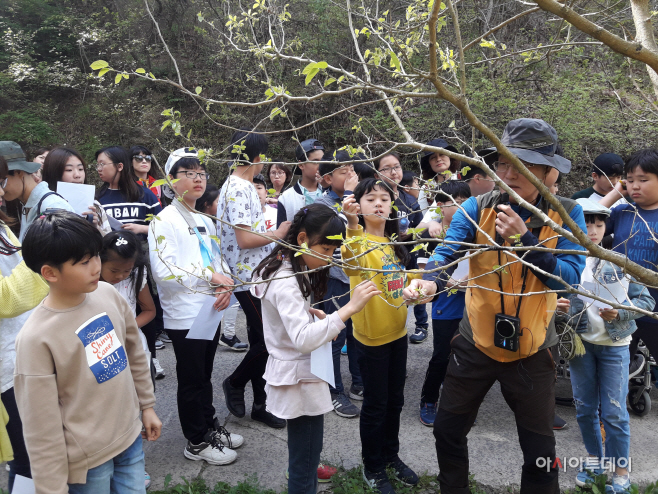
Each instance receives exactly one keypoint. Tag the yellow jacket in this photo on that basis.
(380, 321)
(21, 290)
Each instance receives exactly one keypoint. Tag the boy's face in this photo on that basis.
(81, 277)
(596, 231)
(262, 193)
(604, 184)
(310, 168)
(413, 190)
(642, 188)
(448, 210)
(480, 185)
(337, 178)
(195, 187)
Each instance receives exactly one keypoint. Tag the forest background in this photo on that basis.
(49, 95)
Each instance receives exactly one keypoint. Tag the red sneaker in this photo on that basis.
(325, 472)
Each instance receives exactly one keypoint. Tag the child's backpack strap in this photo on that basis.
(43, 198)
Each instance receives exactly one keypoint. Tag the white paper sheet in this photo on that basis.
(461, 271)
(23, 485)
(79, 196)
(322, 362)
(205, 325)
(614, 292)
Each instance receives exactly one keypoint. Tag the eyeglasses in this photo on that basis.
(3, 184)
(100, 165)
(277, 173)
(505, 167)
(142, 158)
(193, 175)
(386, 171)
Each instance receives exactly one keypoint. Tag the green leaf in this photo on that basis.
(395, 61)
(140, 71)
(198, 90)
(165, 124)
(322, 65)
(167, 480)
(99, 64)
(335, 237)
(311, 75)
(170, 277)
(330, 80)
(151, 75)
(102, 72)
(117, 79)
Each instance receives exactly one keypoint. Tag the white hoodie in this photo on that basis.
(174, 251)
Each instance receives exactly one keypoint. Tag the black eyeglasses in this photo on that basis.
(193, 175)
(142, 158)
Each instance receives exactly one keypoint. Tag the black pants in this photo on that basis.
(304, 448)
(528, 386)
(648, 333)
(442, 331)
(194, 364)
(253, 364)
(20, 465)
(383, 370)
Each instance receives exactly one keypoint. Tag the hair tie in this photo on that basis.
(121, 241)
(305, 211)
(280, 256)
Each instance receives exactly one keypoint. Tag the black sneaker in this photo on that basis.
(343, 406)
(378, 481)
(402, 472)
(559, 423)
(419, 336)
(356, 392)
(233, 343)
(637, 365)
(234, 398)
(260, 414)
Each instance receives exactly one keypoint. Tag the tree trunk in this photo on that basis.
(644, 34)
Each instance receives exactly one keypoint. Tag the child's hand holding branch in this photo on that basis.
(360, 296)
(351, 210)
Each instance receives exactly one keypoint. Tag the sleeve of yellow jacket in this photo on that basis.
(351, 256)
(23, 289)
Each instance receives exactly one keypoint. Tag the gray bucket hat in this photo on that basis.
(534, 141)
(15, 158)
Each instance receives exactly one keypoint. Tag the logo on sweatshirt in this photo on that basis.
(105, 354)
(394, 280)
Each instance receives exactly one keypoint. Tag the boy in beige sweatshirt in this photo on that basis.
(81, 375)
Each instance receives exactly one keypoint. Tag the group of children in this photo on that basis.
(82, 343)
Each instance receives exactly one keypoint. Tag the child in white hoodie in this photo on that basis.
(293, 392)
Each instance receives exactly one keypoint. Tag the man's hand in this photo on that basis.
(509, 224)
(152, 425)
(419, 292)
(563, 305)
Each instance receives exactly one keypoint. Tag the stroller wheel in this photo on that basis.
(639, 401)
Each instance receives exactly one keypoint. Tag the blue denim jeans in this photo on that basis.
(601, 377)
(336, 288)
(123, 474)
(304, 448)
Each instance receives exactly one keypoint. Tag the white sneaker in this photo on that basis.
(159, 371)
(212, 451)
(230, 439)
(158, 344)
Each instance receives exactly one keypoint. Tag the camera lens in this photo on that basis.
(505, 328)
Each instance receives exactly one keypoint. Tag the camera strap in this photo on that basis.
(524, 274)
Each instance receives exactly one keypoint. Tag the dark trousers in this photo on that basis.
(420, 310)
(442, 332)
(253, 364)
(336, 288)
(383, 370)
(528, 386)
(648, 333)
(20, 465)
(151, 329)
(304, 448)
(194, 364)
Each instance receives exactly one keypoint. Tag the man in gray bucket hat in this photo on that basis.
(21, 185)
(508, 326)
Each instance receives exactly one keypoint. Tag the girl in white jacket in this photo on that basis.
(293, 392)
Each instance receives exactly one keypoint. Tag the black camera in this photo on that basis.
(503, 200)
(507, 330)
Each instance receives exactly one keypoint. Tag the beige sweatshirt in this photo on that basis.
(81, 379)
